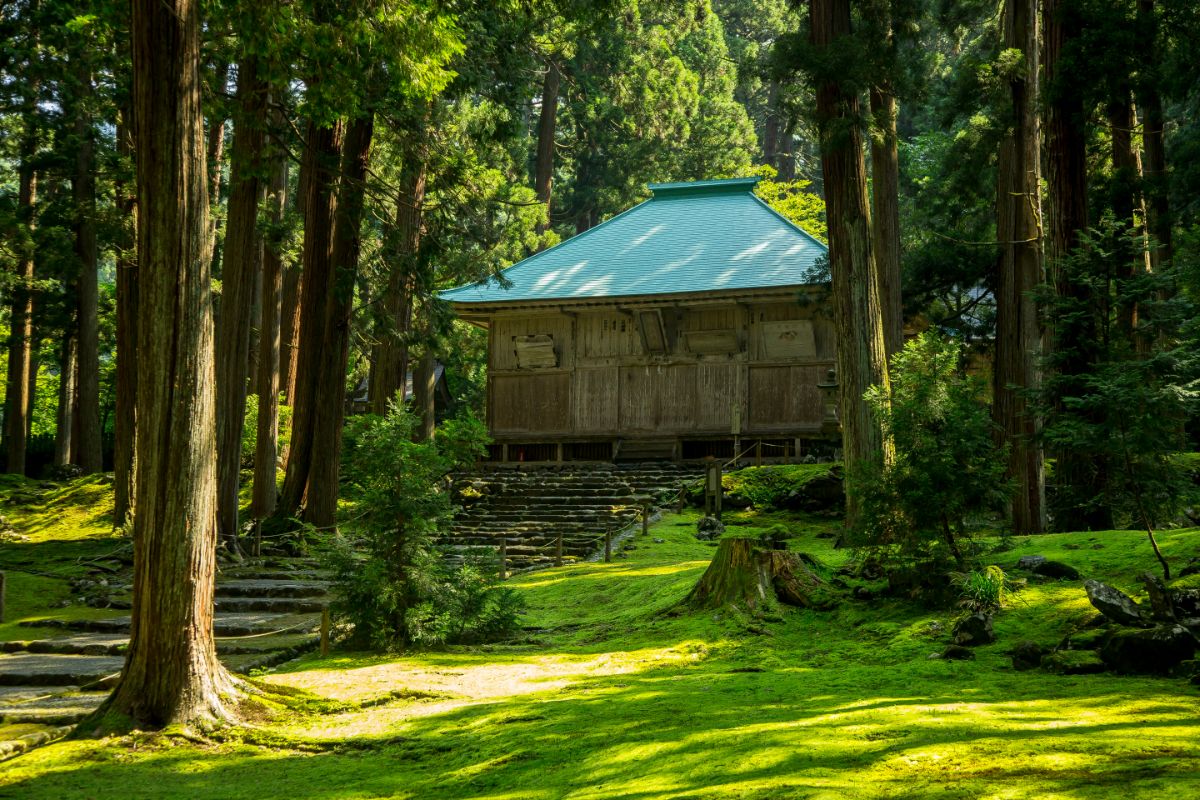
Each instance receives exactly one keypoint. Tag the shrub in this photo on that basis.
(982, 590)
(392, 582)
(946, 465)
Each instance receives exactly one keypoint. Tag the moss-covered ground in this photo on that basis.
(609, 694)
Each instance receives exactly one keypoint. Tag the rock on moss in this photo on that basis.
(1114, 604)
(1074, 662)
(1158, 650)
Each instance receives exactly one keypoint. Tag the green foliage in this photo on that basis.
(764, 488)
(393, 583)
(250, 430)
(802, 208)
(946, 465)
(1117, 400)
(984, 589)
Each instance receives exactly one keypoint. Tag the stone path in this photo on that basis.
(266, 613)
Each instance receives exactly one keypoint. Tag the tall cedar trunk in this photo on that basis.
(425, 394)
(241, 264)
(787, 155)
(543, 178)
(321, 508)
(266, 452)
(322, 152)
(18, 397)
(171, 672)
(1019, 273)
(771, 126)
(87, 449)
(1073, 338)
(1124, 196)
(885, 215)
(214, 155)
(64, 423)
(389, 360)
(862, 356)
(1158, 206)
(125, 434)
(290, 305)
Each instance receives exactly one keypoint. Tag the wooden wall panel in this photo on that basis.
(505, 328)
(717, 393)
(607, 336)
(637, 406)
(785, 397)
(675, 397)
(711, 319)
(531, 403)
(595, 400)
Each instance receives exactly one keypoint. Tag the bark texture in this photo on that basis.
(266, 453)
(171, 672)
(1019, 272)
(389, 360)
(1158, 205)
(242, 261)
(322, 153)
(87, 450)
(329, 411)
(425, 395)
(18, 398)
(1073, 339)
(543, 178)
(745, 574)
(64, 422)
(125, 434)
(862, 355)
(885, 216)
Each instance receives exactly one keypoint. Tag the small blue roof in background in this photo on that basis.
(688, 237)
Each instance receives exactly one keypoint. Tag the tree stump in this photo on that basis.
(748, 575)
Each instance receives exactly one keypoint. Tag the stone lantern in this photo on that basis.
(830, 425)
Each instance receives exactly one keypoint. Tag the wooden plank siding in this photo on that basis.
(605, 383)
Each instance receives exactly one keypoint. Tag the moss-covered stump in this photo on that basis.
(746, 574)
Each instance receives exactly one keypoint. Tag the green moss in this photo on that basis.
(605, 695)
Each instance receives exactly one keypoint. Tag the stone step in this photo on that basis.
(39, 705)
(36, 669)
(278, 605)
(86, 644)
(270, 587)
(224, 624)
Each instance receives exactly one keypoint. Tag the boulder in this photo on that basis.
(1029, 562)
(1186, 602)
(974, 630)
(1162, 608)
(1026, 655)
(1114, 604)
(1057, 570)
(956, 652)
(709, 528)
(1159, 650)
(1088, 639)
(1074, 662)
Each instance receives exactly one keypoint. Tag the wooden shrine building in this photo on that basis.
(680, 329)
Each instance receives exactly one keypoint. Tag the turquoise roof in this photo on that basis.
(689, 237)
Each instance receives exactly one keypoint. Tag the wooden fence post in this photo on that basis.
(324, 631)
(503, 558)
(645, 517)
(2, 578)
(558, 550)
(607, 546)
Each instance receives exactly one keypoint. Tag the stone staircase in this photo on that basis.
(530, 507)
(267, 611)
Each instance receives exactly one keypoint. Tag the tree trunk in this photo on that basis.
(1158, 206)
(771, 127)
(65, 421)
(544, 170)
(786, 157)
(214, 155)
(389, 361)
(290, 304)
(88, 453)
(745, 574)
(1073, 339)
(171, 672)
(1124, 197)
(321, 509)
(885, 208)
(1018, 228)
(241, 264)
(322, 153)
(266, 453)
(862, 355)
(18, 399)
(425, 394)
(124, 448)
